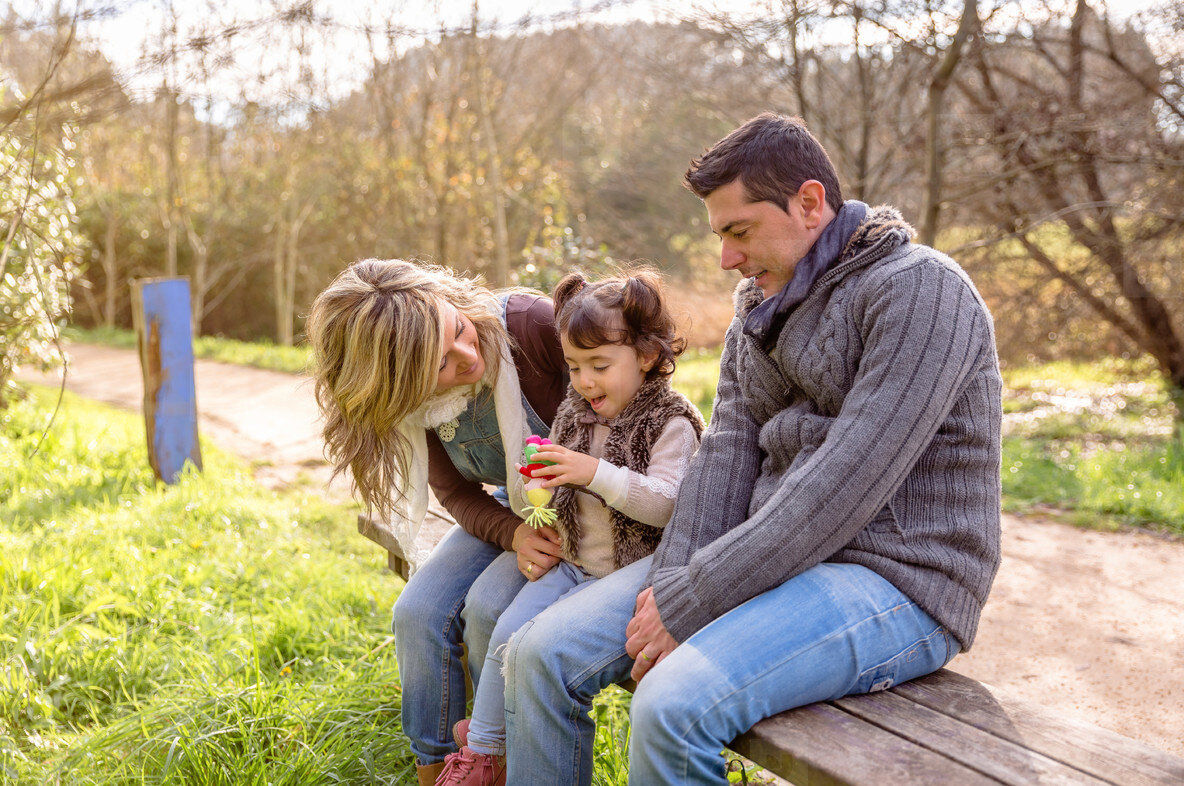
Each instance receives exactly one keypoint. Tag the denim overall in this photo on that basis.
(464, 576)
(476, 449)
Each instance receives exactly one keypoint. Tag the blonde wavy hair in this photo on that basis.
(376, 338)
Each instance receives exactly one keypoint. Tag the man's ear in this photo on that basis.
(812, 197)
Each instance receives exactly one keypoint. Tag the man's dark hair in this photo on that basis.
(772, 155)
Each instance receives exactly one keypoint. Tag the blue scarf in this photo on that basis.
(764, 322)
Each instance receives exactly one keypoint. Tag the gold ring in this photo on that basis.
(647, 657)
(530, 567)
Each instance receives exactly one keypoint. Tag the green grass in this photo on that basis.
(1093, 443)
(206, 632)
(696, 375)
(273, 357)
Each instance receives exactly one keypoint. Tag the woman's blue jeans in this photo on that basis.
(833, 630)
(456, 596)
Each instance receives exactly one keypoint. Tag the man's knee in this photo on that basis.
(527, 651)
(658, 702)
(663, 705)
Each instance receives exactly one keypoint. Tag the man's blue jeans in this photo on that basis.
(833, 630)
(456, 595)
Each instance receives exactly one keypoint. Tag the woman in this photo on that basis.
(427, 378)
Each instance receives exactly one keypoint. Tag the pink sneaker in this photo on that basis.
(460, 732)
(469, 768)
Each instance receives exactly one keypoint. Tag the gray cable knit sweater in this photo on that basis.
(869, 434)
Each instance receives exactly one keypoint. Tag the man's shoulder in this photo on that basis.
(919, 259)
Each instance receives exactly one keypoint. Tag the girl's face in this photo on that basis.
(461, 362)
(607, 376)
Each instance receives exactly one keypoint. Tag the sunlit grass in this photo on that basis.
(696, 376)
(206, 632)
(1079, 374)
(1093, 443)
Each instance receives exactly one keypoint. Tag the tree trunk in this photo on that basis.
(201, 267)
(501, 235)
(934, 158)
(170, 211)
(110, 269)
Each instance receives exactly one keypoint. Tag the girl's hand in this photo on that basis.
(570, 467)
(538, 550)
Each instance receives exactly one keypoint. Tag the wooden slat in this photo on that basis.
(367, 527)
(998, 758)
(823, 744)
(434, 527)
(1105, 754)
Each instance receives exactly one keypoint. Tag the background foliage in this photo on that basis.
(1040, 143)
(39, 245)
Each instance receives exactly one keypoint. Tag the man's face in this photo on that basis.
(759, 239)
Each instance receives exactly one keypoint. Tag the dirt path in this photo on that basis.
(1087, 623)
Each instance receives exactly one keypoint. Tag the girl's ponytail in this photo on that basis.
(567, 288)
(641, 303)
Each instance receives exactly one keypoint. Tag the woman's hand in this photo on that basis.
(538, 550)
(569, 467)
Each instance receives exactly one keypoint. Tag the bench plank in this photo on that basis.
(996, 757)
(823, 744)
(1106, 754)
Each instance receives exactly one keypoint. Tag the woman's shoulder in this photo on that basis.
(532, 306)
(529, 314)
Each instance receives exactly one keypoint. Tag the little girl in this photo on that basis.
(623, 439)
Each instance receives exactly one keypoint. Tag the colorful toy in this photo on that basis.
(540, 515)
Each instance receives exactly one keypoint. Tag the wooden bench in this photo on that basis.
(941, 729)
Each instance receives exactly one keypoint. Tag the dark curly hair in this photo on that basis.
(584, 314)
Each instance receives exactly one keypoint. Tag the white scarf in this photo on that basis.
(410, 510)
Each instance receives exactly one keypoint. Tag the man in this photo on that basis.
(838, 531)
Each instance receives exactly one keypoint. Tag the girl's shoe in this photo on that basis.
(469, 768)
(460, 732)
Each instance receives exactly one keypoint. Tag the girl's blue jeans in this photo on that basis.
(487, 731)
(833, 630)
(456, 596)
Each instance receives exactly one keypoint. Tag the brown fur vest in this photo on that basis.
(631, 436)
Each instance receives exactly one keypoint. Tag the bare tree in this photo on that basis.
(1083, 165)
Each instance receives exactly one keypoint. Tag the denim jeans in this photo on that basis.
(487, 732)
(833, 630)
(456, 595)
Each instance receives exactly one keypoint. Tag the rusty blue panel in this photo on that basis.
(166, 353)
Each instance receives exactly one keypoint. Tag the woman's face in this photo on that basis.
(461, 362)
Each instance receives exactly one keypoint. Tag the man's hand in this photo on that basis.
(570, 467)
(649, 642)
(538, 550)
